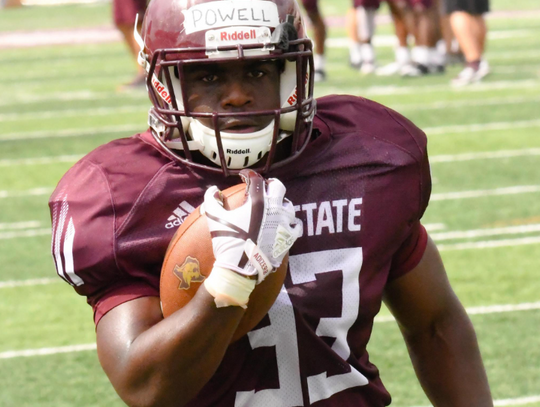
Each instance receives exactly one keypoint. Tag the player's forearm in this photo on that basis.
(170, 362)
(448, 363)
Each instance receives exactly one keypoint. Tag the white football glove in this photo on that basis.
(250, 241)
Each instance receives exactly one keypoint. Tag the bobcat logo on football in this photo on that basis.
(189, 272)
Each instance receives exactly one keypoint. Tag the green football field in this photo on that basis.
(59, 102)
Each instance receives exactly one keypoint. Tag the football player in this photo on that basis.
(319, 37)
(232, 90)
(420, 19)
(124, 15)
(360, 30)
(469, 27)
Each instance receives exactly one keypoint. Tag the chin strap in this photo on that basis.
(240, 149)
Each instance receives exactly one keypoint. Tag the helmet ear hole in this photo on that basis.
(176, 75)
(246, 161)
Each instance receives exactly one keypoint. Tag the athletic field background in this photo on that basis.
(57, 102)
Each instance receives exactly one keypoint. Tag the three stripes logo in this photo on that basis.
(179, 214)
(62, 242)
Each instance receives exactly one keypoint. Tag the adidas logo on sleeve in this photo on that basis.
(179, 214)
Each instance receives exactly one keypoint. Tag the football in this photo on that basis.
(189, 260)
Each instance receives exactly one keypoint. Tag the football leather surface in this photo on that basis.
(189, 260)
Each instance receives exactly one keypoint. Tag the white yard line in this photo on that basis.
(469, 234)
(82, 79)
(520, 401)
(20, 225)
(520, 189)
(483, 310)
(27, 192)
(450, 158)
(25, 233)
(8, 162)
(391, 90)
(47, 351)
(472, 128)
(59, 96)
(487, 244)
(29, 282)
(93, 131)
(505, 34)
(464, 103)
(497, 309)
(56, 114)
(431, 227)
(513, 69)
(58, 75)
(512, 55)
(59, 2)
(58, 37)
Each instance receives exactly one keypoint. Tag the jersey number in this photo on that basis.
(281, 333)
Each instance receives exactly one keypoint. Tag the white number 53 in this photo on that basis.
(281, 333)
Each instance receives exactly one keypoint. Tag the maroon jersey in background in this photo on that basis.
(360, 189)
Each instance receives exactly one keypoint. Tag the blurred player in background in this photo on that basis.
(231, 87)
(448, 45)
(10, 3)
(124, 16)
(360, 29)
(420, 20)
(319, 37)
(404, 27)
(469, 27)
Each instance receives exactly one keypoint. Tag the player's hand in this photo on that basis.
(251, 240)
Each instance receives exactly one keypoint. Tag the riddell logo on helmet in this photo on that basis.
(294, 95)
(161, 90)
(238, 35)
(238, 151)
(235, 36)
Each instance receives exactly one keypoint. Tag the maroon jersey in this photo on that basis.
(360, 189)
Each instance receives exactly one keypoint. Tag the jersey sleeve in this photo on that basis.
(414, 244)
(83, 240)
(410, 252)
